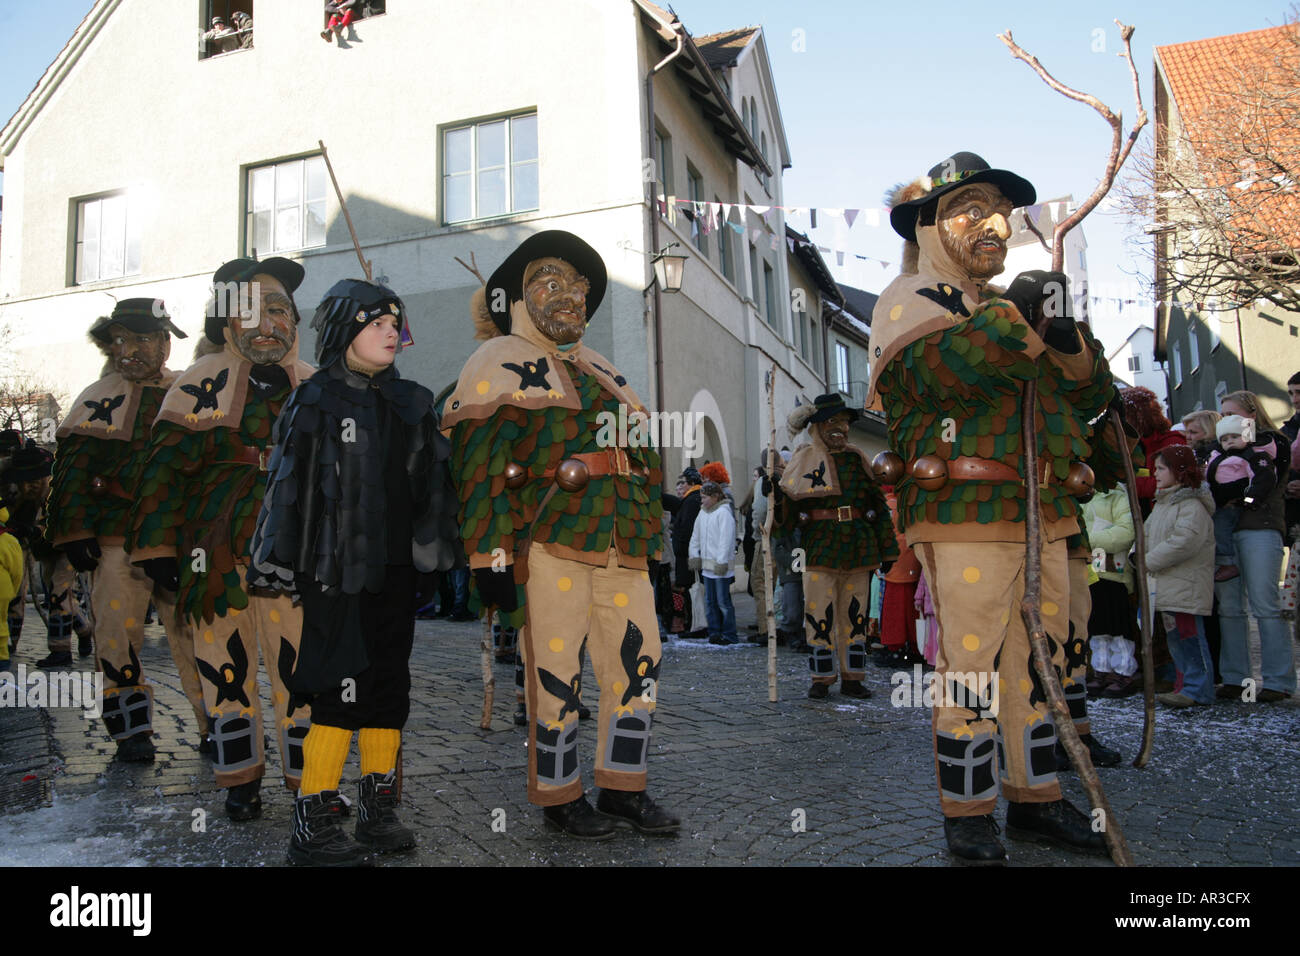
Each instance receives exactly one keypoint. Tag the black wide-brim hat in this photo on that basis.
(553, 243)
(137, 315)
(29, 464)
(287, 271)
(960, 169)
(830, 405)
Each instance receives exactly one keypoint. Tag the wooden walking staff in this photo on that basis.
(1031, 604)
(769, 586)
(365, 264)
(489, 678)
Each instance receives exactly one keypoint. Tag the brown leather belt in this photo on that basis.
(610, 461)
(842, 513)
(247, 456)
(981, 469)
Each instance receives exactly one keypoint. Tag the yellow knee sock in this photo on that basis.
(378, 749)
(324, 752)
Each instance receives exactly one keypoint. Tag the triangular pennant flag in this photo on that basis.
(726, 210)
(850, 215)
(790, 242)
(873, 217)
(759, 210)
(884, 264)
(737, 228)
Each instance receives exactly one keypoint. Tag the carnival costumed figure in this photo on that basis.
(103, 446)
(359, 499)
(198, 503)
(950, 357)
(551, 499)
(827, 489)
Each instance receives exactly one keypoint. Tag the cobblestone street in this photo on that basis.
(741, 772)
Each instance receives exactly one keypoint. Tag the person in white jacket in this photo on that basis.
(1180, 565)
(712, 551)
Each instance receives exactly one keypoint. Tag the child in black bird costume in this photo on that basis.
(359, 499)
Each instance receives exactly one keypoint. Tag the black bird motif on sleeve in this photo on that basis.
(129, 675)
(229, 681)
(205, 395)
(818, 476)
(639, 668)
(569, 694)
(946, 296)
(617, 379)
(531, 375)
(102, 410)
(857, 619)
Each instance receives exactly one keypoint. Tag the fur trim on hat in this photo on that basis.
(901, 193)
(484, 327)
(798, 419)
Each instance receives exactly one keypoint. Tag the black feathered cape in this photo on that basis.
(326, 516)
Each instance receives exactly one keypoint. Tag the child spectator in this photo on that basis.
(1181, 570)
(1241, 474)
(712, 548)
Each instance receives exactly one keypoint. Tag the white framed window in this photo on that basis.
(842, 367)
(1135, 363)
(724, 246)
(1193, 349)
(769, 294)
(489, 169)
(1178, 364)
(107, 243)
(285, 206)
(695, 185)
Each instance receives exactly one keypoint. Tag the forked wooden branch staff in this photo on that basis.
(1031, 604)
(769, 586)
(365, 264)
(489, 678)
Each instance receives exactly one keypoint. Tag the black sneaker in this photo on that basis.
(636, 808)
(56, 659)
(1057, 822)
(577, 819)
(974, 840)
(137, 748)
(377, 823)
(244, 801)
(318, 838)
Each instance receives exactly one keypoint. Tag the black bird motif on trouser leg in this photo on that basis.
(818, 476)
(284, 665)
(857, 619)
(531, 375)
(229, 681)
(129, 675)
(569, 694)
(205, 395)
(822, 628)
(102, 410)
(642, 670)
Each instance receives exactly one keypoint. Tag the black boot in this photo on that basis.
(244, 801)
(56, 659)
(578, 819)
(85, 645)
(854, 688)
(638, 809)
(318, 838)
(1101, 755)
(137, 748)
(974, 840)
(819, 691)
(1058, 823)
(377, 823)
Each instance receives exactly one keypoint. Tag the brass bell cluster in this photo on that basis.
(931, 473)
(571, 476)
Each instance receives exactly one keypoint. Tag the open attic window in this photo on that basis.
(225, 26)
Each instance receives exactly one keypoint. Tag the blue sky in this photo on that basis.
(879, 94)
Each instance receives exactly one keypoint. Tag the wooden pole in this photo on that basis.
(489, 677)
(1031, 604)
(365, 264)
(769, 586)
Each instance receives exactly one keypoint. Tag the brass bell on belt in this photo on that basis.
(515, 475)
(930, 473)
(1080, 479)
(887, 467)
(572, 475)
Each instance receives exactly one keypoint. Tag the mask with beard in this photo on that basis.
(973, 228)
(137, 356)
(265, 334)
(834, 432)
(556, 298)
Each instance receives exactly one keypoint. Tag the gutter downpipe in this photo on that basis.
(654, 212)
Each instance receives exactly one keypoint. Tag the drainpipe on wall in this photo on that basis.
(657, 318)
(1241, 353)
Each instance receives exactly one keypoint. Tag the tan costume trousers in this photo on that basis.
(836, 604)
(62, 603)
(976, 588)
(611, 610)
(120, 600)
(757, 582)
(1074, 683)
(227, 654)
